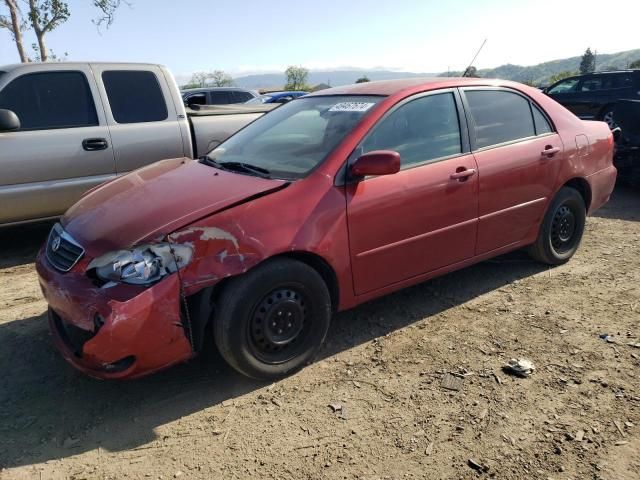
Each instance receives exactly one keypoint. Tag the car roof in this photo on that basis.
(391, 87)
(215, 89)
(14, 66)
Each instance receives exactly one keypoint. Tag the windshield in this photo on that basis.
(259, 100)
(293, 139)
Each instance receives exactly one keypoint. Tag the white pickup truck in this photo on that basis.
(67, 127)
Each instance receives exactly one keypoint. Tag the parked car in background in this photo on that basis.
(627, 156)
(217, 96)
(276, 97)
(327, 202)
(67, 127)
(593, 96)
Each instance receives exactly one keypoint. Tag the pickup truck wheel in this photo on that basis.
(561, 229)
(272, 320)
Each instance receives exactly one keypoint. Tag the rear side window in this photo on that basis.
(499, 116)
(623, 80)
(241, 97)
(50, 100)
(134, 96)
(422, 130)
(220, 98)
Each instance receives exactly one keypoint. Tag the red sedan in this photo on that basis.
(327, 202)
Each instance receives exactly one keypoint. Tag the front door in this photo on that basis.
(62, 149)
(424, 217)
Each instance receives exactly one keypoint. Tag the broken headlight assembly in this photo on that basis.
(142, 265)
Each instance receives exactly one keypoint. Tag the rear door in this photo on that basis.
(420, 219)
(63, 147)
(142, 117)
(519, 156)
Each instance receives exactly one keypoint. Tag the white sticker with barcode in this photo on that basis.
(351, 107)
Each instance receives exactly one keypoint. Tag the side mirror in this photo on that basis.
(379, 162)
(8, 121)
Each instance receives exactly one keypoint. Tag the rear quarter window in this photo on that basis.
(134, 96)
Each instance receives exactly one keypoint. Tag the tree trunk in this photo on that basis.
(17, 30)
(42, 46)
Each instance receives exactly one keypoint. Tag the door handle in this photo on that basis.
(93, 144)
(463, 175)
(550, 151)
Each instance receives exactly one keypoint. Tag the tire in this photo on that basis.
(561, 229)
(606, 115)
(273, 320)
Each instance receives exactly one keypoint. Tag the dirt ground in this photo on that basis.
(576, 417)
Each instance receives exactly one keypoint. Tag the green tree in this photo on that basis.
(561, 76)
(471, 71)
(296, 78)
(219, 78)
(363, 79)
(635, 64)
(44, 16)
(588, 62)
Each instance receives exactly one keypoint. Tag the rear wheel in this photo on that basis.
(607, 116)
(272, 320)
(562, 228)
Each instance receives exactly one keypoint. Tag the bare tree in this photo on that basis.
(16, 25)
(199, 79)
(220, 79)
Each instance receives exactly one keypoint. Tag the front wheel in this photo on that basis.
(272, 320)
(562, 228)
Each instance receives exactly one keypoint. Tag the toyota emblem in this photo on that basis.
(55, 245)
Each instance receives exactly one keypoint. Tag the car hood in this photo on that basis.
(156, 200)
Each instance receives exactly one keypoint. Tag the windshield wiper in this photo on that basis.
(245, 167)
(236, 167)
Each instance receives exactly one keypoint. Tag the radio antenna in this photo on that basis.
(474, 58)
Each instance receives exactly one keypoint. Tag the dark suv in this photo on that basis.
(592, 96)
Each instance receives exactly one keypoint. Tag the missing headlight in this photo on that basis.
(142, 265)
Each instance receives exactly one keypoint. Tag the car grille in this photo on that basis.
(63, 252)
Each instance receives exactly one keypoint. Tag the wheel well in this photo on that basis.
(583, 188)
(321, 266)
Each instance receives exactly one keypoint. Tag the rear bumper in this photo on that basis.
(602, 184)
(114, 333)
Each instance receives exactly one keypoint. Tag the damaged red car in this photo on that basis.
(331, 200)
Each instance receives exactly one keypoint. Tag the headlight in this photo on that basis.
(142, 265)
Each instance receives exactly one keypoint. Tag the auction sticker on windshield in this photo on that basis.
(351, 107)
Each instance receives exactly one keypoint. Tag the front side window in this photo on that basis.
(421, 130)
(50, 100)
(564, 86)
(134, 96)
(592, 84)
(292, 140)
(499, 116)
(197, 99)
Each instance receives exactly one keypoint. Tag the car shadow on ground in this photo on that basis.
(624, 204)
(19, 245)
(49, 411)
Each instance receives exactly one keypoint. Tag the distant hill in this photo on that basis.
(537, 74)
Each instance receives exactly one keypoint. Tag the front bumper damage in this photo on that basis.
(125, 331)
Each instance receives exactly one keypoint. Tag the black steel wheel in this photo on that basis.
(561, 229)
(272, 320)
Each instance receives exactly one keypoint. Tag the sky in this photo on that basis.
(251, 36)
